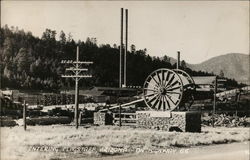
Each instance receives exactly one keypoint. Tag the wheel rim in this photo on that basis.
(188, 87)
(163, 90)
(190, 84)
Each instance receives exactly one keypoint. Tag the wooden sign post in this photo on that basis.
(24, 115)
(214, 104)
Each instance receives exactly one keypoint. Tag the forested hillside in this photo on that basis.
(29, 62)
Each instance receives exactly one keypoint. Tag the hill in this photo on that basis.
(233, 65)
(29, 62)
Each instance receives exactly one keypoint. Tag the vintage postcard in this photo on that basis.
(109, 80)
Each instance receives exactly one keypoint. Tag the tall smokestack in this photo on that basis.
(178, 60)
(121, 48)
(126, 47)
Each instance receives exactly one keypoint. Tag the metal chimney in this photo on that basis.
(126, 47)
(121, 48)
(178, 60)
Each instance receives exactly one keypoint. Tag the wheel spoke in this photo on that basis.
(150, 89)
(149, 84)
(170, 81)
(171, 92)
(171, 99)
(159, 78)
(164, 103)
(156, 101)
(160, 103)
(153, 98)
(168, 74)
(155, 81)
(174, 88)
(167, 102)
(173, 84)
(162, 75)
(166, 79)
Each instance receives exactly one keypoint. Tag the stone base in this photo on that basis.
(102, 118)
(170, 121)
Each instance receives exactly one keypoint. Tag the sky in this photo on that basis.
(198, 29)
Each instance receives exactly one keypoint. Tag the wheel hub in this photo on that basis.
(163, 91)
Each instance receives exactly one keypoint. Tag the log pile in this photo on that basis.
(7, 122)
(226, 121)
(48, 120)
(60, 99)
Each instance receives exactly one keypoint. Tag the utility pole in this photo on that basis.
(77, 75)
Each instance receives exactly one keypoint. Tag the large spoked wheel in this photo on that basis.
(163, 90)
(188, 87)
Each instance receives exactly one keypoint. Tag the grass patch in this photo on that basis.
(103, 141)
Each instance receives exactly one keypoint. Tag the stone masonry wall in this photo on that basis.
(169, 121)
(102, 118)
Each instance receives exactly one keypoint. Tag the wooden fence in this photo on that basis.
(127, 119)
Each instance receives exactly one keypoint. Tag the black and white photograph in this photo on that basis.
(124, 80)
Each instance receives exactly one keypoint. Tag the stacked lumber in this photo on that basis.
(7, 122)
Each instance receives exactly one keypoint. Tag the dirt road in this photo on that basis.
(234, 151)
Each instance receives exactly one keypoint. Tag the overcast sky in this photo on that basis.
(200, 30)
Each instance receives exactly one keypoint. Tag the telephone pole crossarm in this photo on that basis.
(82, 62)
(76, 74)
(75, 62)
(75, 69)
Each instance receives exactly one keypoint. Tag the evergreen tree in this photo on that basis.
(23, 60)
(221, 73)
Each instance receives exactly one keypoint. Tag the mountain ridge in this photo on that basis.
(233, 65)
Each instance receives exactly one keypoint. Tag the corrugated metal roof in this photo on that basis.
(204, 79)
(113, 88)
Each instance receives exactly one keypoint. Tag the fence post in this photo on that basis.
(214, 104)
(80, 118)
(237, 103)
(24, 115)
(120, 119)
